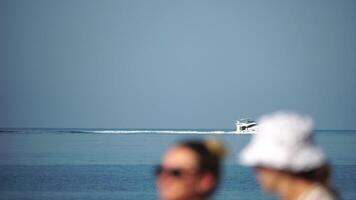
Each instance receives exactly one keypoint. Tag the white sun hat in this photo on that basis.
(284, 141)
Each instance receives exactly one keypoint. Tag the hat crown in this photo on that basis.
(286, 128)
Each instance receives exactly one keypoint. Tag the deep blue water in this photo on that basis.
(81, 164)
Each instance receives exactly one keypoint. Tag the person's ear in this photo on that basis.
(206, 183)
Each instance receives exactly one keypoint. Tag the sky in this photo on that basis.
(175, 64)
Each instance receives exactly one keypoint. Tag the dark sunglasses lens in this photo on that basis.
(171, 172)
(158, 170)
(175, 172)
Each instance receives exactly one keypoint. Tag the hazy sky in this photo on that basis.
(175, 64)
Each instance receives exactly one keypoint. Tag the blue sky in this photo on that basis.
(175, 64)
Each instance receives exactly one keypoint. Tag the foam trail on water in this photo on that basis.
(160, 132)
(112, 131)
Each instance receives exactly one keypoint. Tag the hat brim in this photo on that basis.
(304, 158)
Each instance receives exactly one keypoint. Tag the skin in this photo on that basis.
(192, 185)
(283, 184)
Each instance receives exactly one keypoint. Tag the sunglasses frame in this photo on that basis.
(172, 172)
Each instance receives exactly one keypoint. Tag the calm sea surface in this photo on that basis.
(63, 164)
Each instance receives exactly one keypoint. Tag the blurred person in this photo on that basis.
(190, 170)
(287, 161)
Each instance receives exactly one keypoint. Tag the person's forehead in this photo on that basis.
(180, 157)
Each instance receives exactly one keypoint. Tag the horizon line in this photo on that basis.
(159, 129)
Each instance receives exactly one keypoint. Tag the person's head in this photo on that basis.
(190, 170)
(284, 154)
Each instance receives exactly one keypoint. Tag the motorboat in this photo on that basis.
(246, 126)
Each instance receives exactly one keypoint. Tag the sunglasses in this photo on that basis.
(173, 172)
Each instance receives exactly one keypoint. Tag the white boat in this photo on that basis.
(246, 126)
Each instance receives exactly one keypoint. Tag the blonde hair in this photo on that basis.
(216, 147)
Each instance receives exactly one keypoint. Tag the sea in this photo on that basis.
(98, 164)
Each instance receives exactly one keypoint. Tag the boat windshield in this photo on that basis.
(246, 121)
